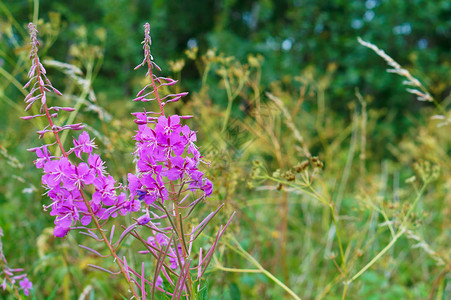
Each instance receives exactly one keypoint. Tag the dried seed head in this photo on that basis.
(289, 176)
(301, 166)
(316, 162)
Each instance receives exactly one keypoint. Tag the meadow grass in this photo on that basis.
(330, 205)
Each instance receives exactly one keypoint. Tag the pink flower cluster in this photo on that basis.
(64, 181)
(167, 151)
(9, 276)
(25, 284)
(167, 168)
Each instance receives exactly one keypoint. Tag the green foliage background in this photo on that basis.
(416, 33)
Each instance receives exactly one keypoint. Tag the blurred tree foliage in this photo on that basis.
(291, 36)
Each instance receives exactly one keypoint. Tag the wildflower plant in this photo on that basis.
(165, 190)
(13, 279)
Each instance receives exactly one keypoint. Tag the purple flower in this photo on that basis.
(98, 210)
(196, 177)
(141, 118)
(105, 191)
(173, 260)
(66, 215)
(150, 192)
(60, 231)
(162, 191)
(159, 240)
(189, 138)
(147, 162)
(207, 187)
(43, 156)
(129, 206)
(179, 167)
(134, 184)
(159, 282)
(60, 197)
(169, 144)
(55, 171)
(146, 135)
(63, 179)
(143, 219)
(26, 285)
(77, 177)
(123, 204)
(168, 125)
(83, 144)
(96, 163)
(86, 220)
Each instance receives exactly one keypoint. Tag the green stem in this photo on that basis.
(376, 258)
(345, 290)
(14, 81)
(340, 245)
(237, 270)
(229, 103)
(401, 231)
(35, 11)
(259, 267)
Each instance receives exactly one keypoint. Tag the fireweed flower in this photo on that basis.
(10, 277)
(168, 172)
(83, 144)
(165, 157)
(26, 285)
(168, 169)
(43, 156)
(63, 178)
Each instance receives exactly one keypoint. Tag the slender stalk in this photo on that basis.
(337, 227)
(401, 231)
(283, 252)
(178, 223)
(13, 286)
(229, 102)
(340, 245)
(149, 67)
(108, 244)
(35, 11)
(376, 258)
(47, 113)
(345, 290)
(437, 282)
(260, 268)
(135, 234)
(219, 267)
(175, 200)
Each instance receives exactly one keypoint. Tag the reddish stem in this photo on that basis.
(149, 66)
